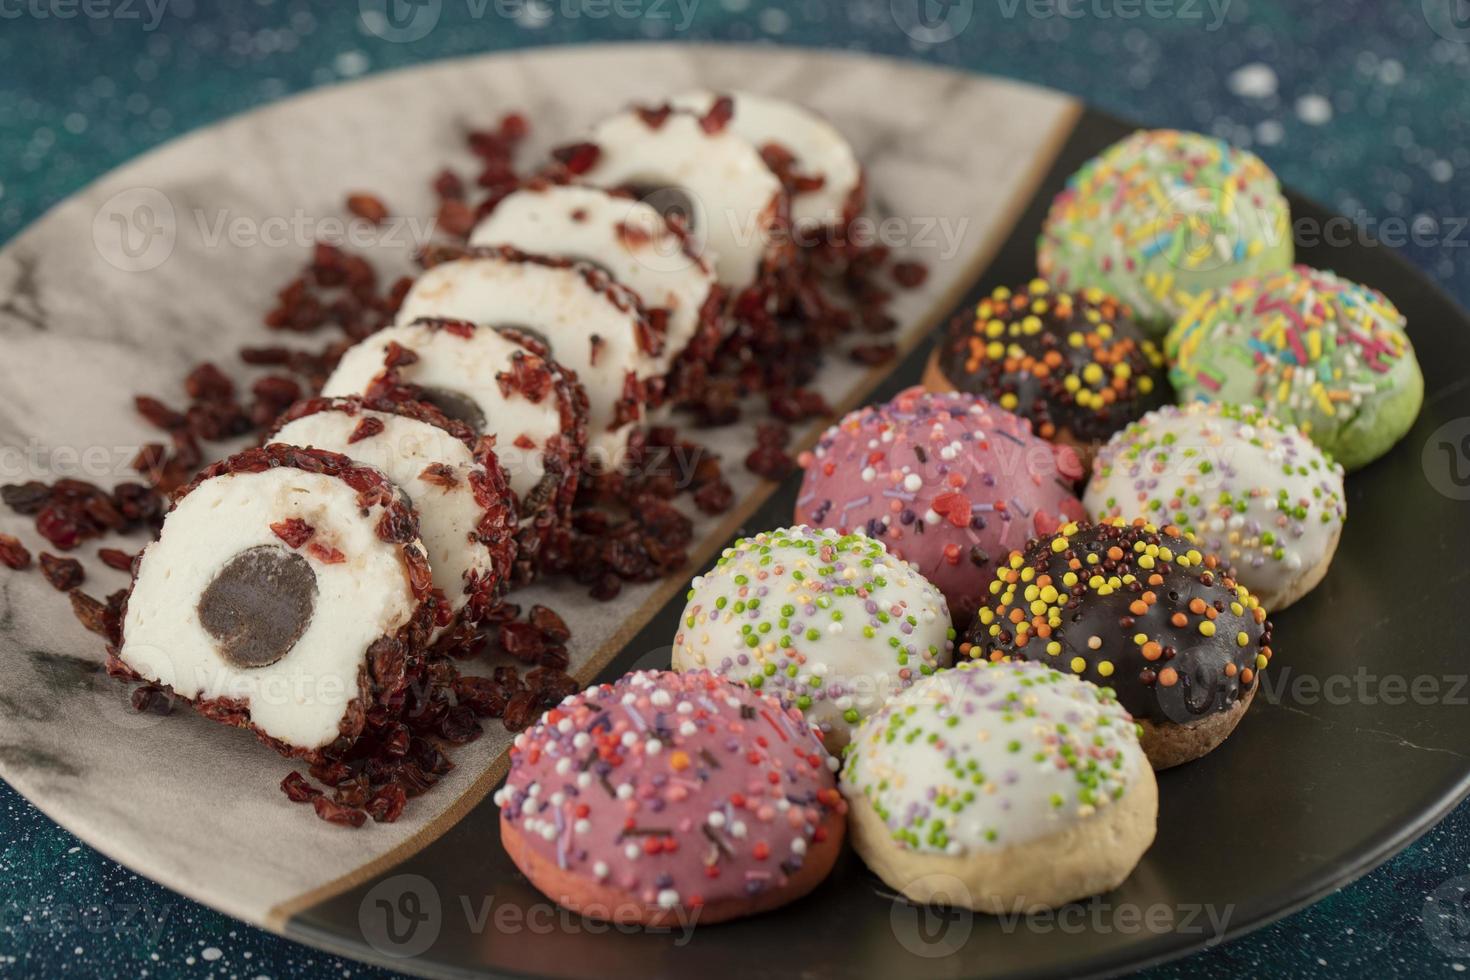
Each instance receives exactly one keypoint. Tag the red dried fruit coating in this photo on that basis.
(448, 185)
(482, 695)
(441, 475)
(336, 813)
(14, 554)
(365, 429)
(64, 574)
(577, 158)
(654, 116)
(326, 554)
(297, 789)
(368, 207)
(719, 115)
(294, 531)
(26, 498)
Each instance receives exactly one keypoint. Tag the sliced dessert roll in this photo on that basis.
(288, 593)
(815, 162)
(466, 513)
(500, 383)
(631, 241)
(592, 325)
(699, 167)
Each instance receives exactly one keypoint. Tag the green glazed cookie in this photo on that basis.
(1317, 351)
(1162, 216)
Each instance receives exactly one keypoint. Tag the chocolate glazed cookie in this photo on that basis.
(1140, 609)
(1075, 364)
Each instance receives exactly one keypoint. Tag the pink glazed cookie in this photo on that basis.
(948, 482)
(669, 798)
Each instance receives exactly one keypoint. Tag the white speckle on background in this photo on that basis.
(1441, 171)
(211, 953)
(1253, 81)
(1269, 132)
(774, 20)
(1314, 110)
(350, 64)
(1391, 72)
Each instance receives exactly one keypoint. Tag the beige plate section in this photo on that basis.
(175, 257)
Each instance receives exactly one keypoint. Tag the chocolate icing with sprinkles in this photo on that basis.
(1134, 607)
(1073, 363)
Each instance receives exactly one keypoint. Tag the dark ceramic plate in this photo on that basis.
(1355, 746)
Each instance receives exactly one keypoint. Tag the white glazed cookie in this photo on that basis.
(277, 577)
(469, 545)
(495, 382)
(821, 153)
(1004, 787)
(832, 622)
(594, 327)
(629, 239)
(738, 208)
(1254, 491)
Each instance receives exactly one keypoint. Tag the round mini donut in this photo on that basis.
(832, 623)
(1140, 609)
(592, 325)
(814, 160)
(1074, 364)
(1162, 216)
(500, 383)
(698, 165)
(1313, 349)
(671, 798)
(633, 243)
(1254, 491)
(948, 482)
(1004, 788)
(287, 593)
(466, 514)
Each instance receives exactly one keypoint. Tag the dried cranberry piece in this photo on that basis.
(456, 218)
(90, 612)
(158, 414)
(208, 382)
(522, 641)
(151, 699)
(553, 685)
(719, 115)
(326, 554)
(459, 726)
(297, 789)
(715, 497)
(873, 354)
(354, 792)
(26, 498)
(336, 813)
(14, 554)
(551, 625)
(368, 207)
(482, 695)
(522, 711)
(769, 462)
(910, 275)
(366, 429)
(116, 558)
(387, 804)
(64, 574)
(577, 158)
(294, 531)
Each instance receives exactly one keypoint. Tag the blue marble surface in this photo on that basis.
(1364, 104)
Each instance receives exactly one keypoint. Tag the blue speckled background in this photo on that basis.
(1363, 103)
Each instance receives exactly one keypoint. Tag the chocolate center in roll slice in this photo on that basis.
(668, 200)
(457, 406)
(259, 605)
